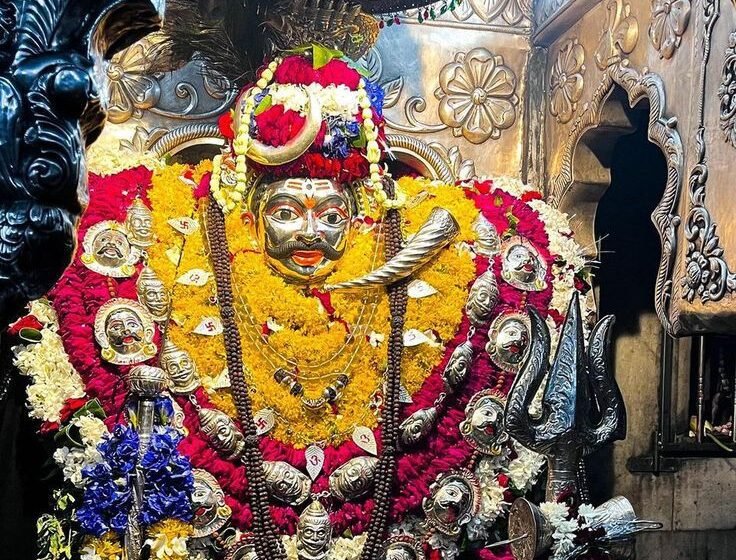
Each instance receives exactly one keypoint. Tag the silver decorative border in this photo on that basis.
(662, 132)
(707, 275)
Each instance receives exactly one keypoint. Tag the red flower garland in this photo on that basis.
(299, 70)
(81, 292)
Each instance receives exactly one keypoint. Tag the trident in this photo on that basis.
(582, 406)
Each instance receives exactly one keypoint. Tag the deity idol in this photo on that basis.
(324, 326)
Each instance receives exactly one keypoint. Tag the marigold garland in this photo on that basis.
(168, 540)
(106, 547)
(303, 319)
(304, 327)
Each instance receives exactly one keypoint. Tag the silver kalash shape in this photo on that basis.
(435, 234)
(567, 429)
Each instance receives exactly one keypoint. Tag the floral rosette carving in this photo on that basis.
(566, 80)
(669, 23)
(131, 89)
(511, 208)
(477, 95)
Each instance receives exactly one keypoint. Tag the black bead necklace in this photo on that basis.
(268, 545)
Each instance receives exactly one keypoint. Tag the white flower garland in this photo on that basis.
(523, 471)
(163, 547)
(342, 548)
(107, 156)
(566, 527)
(73, 460)
(53, 378)
(335, 101)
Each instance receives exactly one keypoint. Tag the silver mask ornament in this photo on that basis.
(108, 250)
(180, 367)
(523, 266)
(458, 366)
(508, 340)
(403, 547)
(222, 432)
(125, 330)
(208, 501)
(483, 427)
(243, 549)
(153, 295)
(353, 479)
(313, 533)
(286, 483)
(303, 226)
(417, 426)
(453, 501)
(139, 221)
(488, 243)
(482, 299)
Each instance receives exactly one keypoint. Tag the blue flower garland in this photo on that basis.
(108, 491)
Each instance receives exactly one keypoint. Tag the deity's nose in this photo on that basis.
(308, 238)
(309, 234)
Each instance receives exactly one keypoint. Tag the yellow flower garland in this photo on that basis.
(168, 540)
(106, 547)
(302, 327)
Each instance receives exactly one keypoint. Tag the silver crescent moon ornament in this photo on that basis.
(523, 266)
(434, 235)
(454, 499)
(294, 148)
(509, 340)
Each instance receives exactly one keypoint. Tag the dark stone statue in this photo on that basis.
(50, 110)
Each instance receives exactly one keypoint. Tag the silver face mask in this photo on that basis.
(304, 226)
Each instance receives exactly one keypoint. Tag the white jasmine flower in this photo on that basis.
(554, 512)
(163, 547)
(54, 379)
(524, 470)
(89, 553)
(41, 309)
(91, 429)
(588, 513)
(448, 547)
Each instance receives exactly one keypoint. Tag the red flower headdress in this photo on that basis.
(308, 115)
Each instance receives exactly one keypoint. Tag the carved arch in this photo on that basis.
(420, 156)
(585, 174)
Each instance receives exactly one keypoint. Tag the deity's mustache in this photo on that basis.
(130, 334)
(103, 250)
(292, 246)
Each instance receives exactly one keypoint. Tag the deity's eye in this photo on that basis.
(333, 217)
(283, 214)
